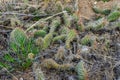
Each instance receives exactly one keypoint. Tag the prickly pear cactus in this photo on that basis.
(82, 74)
(40, 33)
(100, 11)
(60, 37)
(51, 64)
(96, 25)
(17, 39)
(70, 36)
(54, 25)
(47, 40)
(114, 16)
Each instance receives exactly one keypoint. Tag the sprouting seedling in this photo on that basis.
(60, 37)
(70, 37)
(113, 16)
(81, 71)
(47, 40)
(54, 25)
(40, 33)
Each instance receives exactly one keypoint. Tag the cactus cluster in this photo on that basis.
(63, 29)
(56, 33)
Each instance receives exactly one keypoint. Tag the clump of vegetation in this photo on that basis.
(22, 48)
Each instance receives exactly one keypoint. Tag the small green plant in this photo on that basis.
(113, 16)
(100, 11)
(40, 33)
(87, 40)
(4, 64)
(80, 27)
(47, 40)
(51, 64)
(70, 37)
(60, 37)
(54, 25)
(96, 25)
(20, 47)
(67, 20)
(64, 30)
(81, 71)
